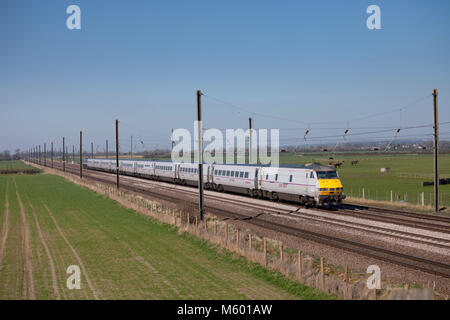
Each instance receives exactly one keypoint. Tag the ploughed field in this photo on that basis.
(48, 224)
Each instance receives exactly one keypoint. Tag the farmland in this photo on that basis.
(405, 177)
(13, 165)
(407, 172)
(48, 224)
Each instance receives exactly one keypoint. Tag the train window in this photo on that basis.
(246, 174)
(228, 173)
(276, 177)
(290, 178)
(267, 177)
(215, 172)
(311, 175)
(327, 174)
(232, 173)
(242, 174)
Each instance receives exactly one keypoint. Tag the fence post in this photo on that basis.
(226, 233)
(363, 196)
(237, 239)
(346, 274)
(215, 228)
(250, 241)
(196, 223)
(391, 196)
(265, 252)
(206, 224)
(281, 252)
(299, 264)
(188, 219)
(322, 273)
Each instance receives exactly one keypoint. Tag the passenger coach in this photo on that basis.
(311, 185)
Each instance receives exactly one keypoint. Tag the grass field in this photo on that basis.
(407, 172)
(48, 224)
(13, 165)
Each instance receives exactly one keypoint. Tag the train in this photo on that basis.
(308, 185)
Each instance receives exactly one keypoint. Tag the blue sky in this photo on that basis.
(142, 62)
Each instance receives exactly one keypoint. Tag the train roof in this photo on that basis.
(311, 166)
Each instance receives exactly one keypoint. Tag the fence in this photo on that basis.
(423, 199)
(302, 267)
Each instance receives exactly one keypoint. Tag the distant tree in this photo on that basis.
(7, 155)
(17, 154)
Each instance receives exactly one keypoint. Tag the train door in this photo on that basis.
(311, 184)
(210, 174)
(177, 171)
(258, 175)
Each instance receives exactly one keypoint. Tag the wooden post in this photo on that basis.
(188, 219)
(265, 252)
(237, 239)
(200, 154)
(250, 241)
(196, 222)
(346, 275)
(117, 155)
(226, 233)
(322, 273)
(281, 251)
(206, 224)
(215, 228)
(299, 265)
(436, 151)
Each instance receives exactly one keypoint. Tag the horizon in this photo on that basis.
(296, 66)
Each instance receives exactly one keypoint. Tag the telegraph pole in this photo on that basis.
(81, 154)
(436, 151)
(171, 138)
(51, 154)
(250, 153)
(106, 148)
(39, 154)
(64, 154)
(131, 147)
(45, 154)
(117, 152)
(200, 154)
(73, 153)
(92, 150)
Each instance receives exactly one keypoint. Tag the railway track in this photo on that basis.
(414, 262)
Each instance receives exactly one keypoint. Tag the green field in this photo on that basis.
(13, 165)
(48, 224)
(407, 172)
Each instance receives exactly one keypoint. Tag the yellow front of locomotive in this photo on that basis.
(330, 187)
